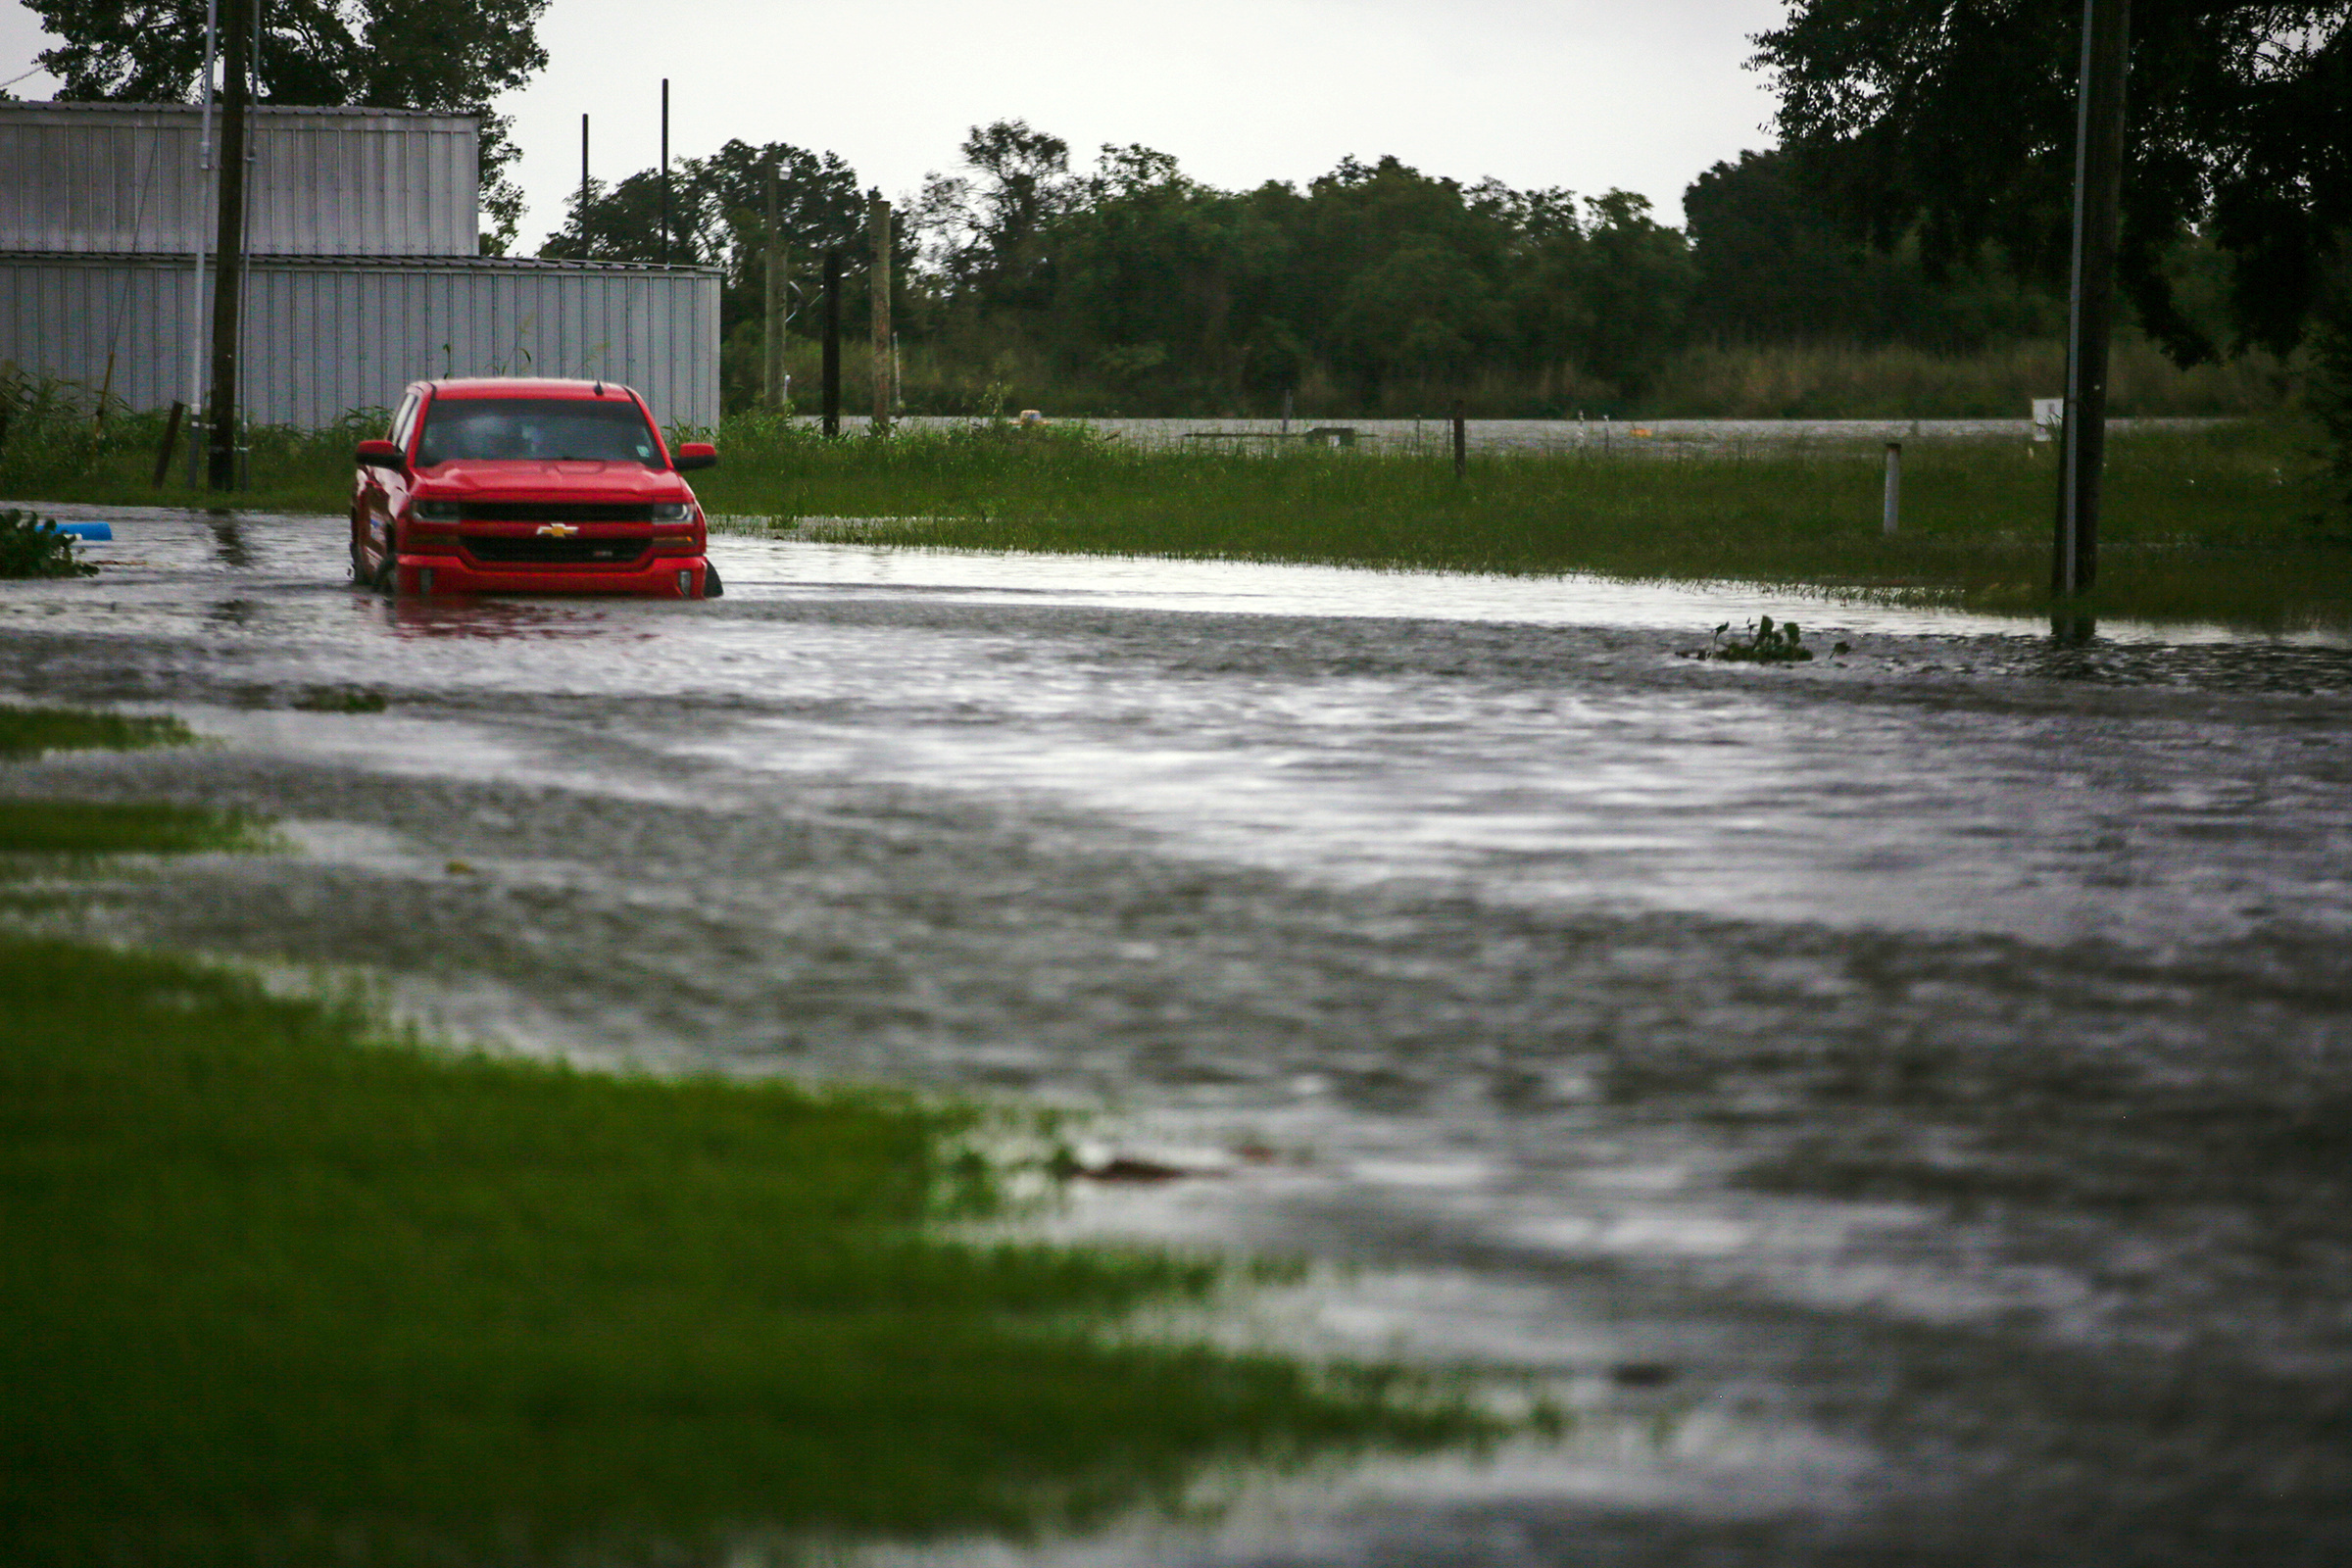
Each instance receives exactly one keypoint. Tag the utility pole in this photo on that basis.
(2091, 301)
(664, 170)
(772, 383)
(878, 291)
(584, 250)
(203, 171)
(229, 246)
(832, 341)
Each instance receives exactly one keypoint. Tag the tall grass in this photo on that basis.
(2215, 524)
(59, 447)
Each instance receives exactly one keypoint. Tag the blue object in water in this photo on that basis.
(86, 531)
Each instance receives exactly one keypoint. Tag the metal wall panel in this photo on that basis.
(124, 177)
(322, 337)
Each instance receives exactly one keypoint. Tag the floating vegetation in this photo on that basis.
(1760, 642)
(33, 546)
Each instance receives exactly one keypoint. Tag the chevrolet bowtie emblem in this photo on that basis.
(558, 531)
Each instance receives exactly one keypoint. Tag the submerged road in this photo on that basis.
(1901, 1105)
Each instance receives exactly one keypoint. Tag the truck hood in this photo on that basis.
(536, 481)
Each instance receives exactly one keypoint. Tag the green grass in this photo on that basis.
(81, 828)
(30, 731)
(275, 1292)
(2213, 525)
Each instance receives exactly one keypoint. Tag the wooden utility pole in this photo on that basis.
(584, 250)
(878, 290)
(832, 341)
(228, 273)
(773, 356)
(2090, 302)
(664, 170)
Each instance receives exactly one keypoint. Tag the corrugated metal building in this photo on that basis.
(363, 272)
(121, 177)
(324, 335)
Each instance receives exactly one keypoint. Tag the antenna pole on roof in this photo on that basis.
(229, 247)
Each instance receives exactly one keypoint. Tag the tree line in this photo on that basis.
(1919, 195)
(1131, 286)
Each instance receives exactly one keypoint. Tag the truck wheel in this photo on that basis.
(712, 588)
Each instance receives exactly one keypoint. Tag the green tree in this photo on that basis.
(454, 56)
(1771, 265)
(987, 226)
(1147, 266)
(1954, 121)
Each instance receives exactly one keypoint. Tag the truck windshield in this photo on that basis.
(580, 429)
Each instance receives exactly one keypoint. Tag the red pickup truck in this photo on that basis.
(529, 486)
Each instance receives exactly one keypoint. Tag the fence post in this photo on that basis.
(1894, 487)
(1461, 441)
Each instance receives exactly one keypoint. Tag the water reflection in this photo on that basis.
(228, 541)
(2072, 630)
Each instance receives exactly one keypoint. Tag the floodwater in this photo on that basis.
(1901, 1105)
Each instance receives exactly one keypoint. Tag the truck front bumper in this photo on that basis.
(658, 577)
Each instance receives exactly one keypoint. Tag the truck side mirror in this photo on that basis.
(696, 455)
(380, 455)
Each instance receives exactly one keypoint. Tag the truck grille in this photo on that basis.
(556, 512)
(530, 550)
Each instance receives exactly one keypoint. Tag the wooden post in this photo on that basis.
(665, 225)
(772, 382)
(2090, 305)
(831, 349)
(1461, 441)
(163, 457)
(1894, 488)
(229, 248)
(878, 297)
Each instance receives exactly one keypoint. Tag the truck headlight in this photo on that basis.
(435, 512)
(670, 511)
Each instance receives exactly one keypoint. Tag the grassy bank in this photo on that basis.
(280, 1288)
(2219, 524)
(31, 732)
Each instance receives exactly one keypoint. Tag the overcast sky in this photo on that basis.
(1582, 93)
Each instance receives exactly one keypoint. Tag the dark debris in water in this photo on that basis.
(1760, 642)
